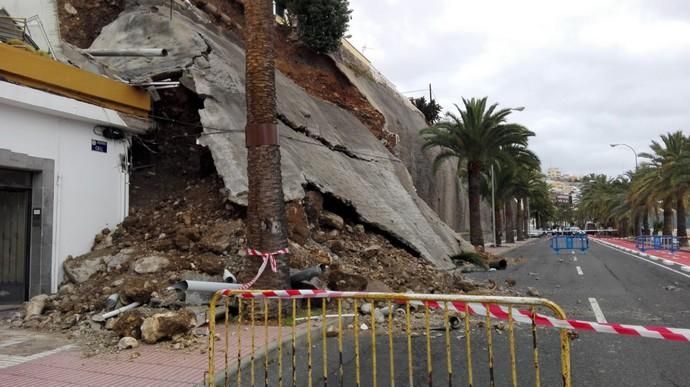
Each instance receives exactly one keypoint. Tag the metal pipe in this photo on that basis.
(145, 52)
(105, 316)
(203, 286)
(307, 274)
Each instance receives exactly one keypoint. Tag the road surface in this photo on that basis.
(601, 285)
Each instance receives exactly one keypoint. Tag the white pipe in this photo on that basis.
(203, 286)
(105, 316)
(127, 52)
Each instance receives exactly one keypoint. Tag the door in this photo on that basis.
(15, 203)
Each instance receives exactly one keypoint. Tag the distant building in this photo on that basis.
(553, 173)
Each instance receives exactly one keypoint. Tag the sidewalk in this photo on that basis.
(506, 247)
(680, 258)
(31, 359)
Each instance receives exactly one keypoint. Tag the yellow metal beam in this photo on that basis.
(33, 70)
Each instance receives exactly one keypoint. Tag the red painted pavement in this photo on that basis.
(155, 365)
(679, 257)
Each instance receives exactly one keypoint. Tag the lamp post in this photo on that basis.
(631, 148)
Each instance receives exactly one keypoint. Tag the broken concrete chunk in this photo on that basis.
(35, 306)
(298, 225)
(129, 324)
(80, 269)
(365, 308)
(166, 325)
(150, 264)
(533, 292)
(331, 220)
(371, 251)
(127, 343)
(136, 289)
(313, 205)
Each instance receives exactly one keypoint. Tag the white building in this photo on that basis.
(63, 166)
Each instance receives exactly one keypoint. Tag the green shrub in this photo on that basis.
(320, 23)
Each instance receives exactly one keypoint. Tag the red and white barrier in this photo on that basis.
(495, 311)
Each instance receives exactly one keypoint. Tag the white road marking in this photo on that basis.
(597, 310)
(574, 259)
(13, 360)
(646, 260)
(579, 270)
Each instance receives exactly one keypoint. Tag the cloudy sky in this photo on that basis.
(590, 73)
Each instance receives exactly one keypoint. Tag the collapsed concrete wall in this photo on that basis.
(322, 145)
(443, 191)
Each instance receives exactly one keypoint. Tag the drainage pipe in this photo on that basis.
(146, 52)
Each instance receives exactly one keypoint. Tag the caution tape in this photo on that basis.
(493, 310)
(268, 258)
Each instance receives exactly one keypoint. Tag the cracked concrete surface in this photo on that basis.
(321, 144)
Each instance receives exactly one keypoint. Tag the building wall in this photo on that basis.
(90, 188)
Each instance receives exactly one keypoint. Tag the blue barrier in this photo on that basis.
(569, 242)
(657, 242)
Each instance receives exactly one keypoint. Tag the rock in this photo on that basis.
(219, 237)
(35, 306)
(103, 241)
(331, 331)
(165, 299)
(532, 292)
(66, 289)
(366, 308)
(331, 220)
(69, 8)
(371, 251)
(150, 264)
(116, 261)
(130, 222)
(166, 325)
(129, 323)
(378, 287)
(298, 224)
(379, 317)
(364, 327)
(117, 282)
(359, 229)
(339, 280)
(320, 237)
(210, 264)
(80, 269)
(110, 324)
(136, 289)
(313, 205)
(127, 343)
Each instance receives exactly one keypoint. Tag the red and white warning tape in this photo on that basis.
(267, 257)
(498, 312)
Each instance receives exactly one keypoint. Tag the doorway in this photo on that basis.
(15, 232)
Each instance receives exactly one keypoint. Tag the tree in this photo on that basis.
(431, 110)
(320, 23)
(266, 224)
(476, 137)
(670, 158)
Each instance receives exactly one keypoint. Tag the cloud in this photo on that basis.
(590, 73)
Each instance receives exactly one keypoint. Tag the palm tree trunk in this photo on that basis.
(526, 217)
(499, 225)
(645, 222)
(510, 235)
(668, 217)
(266, 225)
(520, 221)
(636, 226)
(681, 219)
(474, 192)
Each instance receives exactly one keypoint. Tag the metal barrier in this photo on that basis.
(569, 242)
(657, 242)
(401, 323)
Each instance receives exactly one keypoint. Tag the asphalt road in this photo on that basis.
(626, 290)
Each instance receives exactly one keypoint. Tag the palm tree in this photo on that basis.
(476, 136)
(266, 225)
(668, 158)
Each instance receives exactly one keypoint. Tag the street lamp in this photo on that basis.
(631, 148)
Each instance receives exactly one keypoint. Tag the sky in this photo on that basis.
(589, 73)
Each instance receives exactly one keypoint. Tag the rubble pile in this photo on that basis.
(198, 235)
